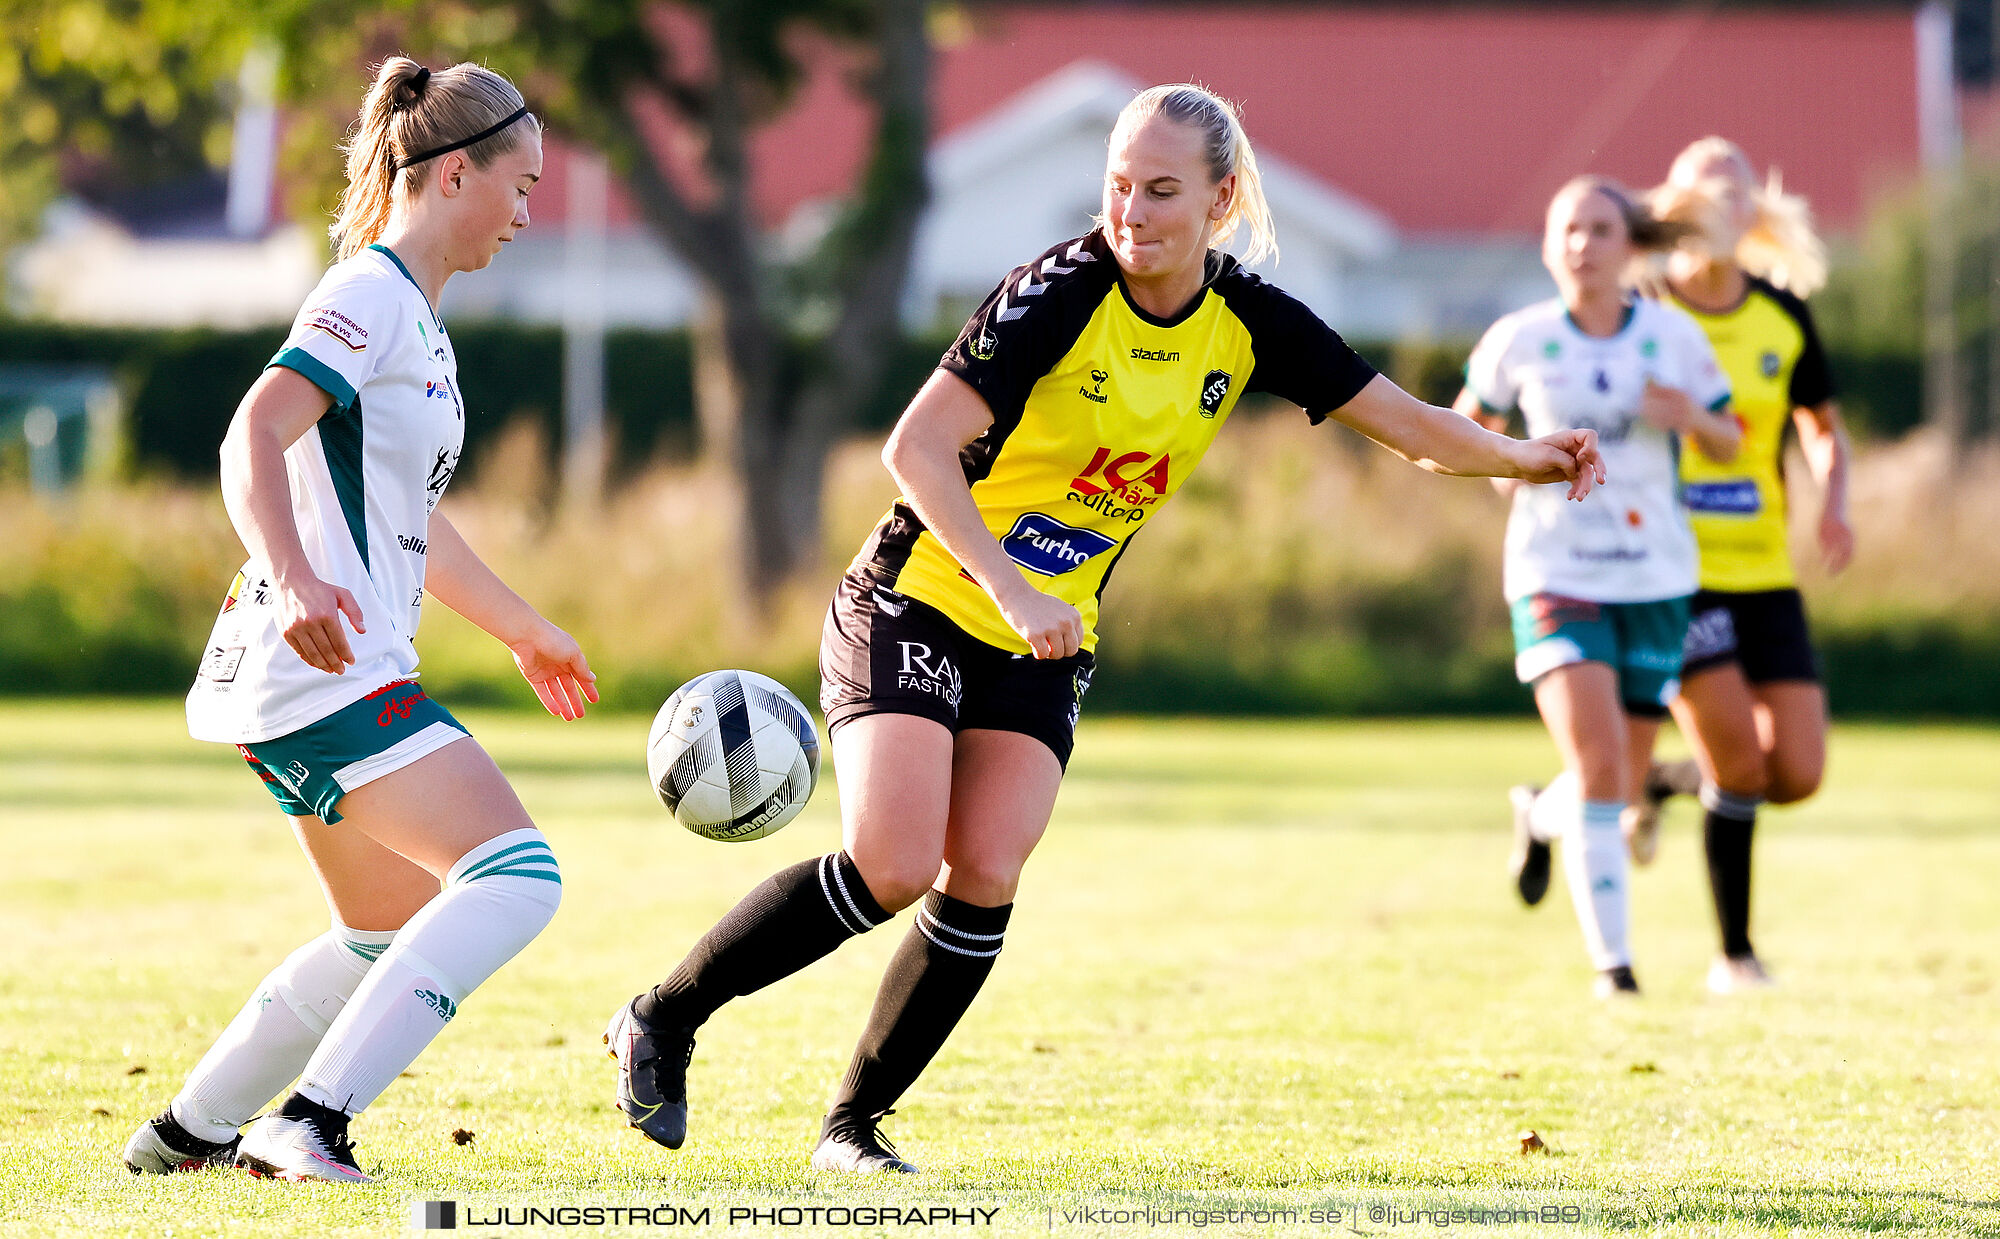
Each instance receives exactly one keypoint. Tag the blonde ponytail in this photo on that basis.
(1227, 148)
(409, 110)
(1780, 245)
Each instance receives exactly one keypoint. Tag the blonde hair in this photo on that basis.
(1650, 232)
(410, 110)
(1780, 244)
(1226, 148)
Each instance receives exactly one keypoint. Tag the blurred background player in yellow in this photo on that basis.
(1599, 590)
(1750, 704)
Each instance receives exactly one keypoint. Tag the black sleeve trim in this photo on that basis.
(1299, 358)
(1812, 377)
(1028, 322)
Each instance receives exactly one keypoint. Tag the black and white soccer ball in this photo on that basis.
(733, 755)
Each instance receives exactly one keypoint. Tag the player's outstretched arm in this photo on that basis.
(1444, 442)
(280, 407)
(922, 455)
(550, 660)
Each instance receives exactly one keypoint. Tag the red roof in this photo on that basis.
(1449, 119)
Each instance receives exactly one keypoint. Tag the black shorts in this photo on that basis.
(1764, 632)
(882, 652)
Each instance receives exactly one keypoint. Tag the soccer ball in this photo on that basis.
(733, 755)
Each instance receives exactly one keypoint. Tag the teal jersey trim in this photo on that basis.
(321, 375)
(1631, 312)
(413, 282)
(340, 439)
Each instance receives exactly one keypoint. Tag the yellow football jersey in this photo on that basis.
(1100, 412)
(1772, 355)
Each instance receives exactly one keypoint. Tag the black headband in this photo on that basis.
(462, 143)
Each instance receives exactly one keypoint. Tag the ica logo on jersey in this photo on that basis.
(1123, 487)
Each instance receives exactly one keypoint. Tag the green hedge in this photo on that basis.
(184, 385)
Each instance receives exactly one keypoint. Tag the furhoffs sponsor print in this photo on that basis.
(1044, 544)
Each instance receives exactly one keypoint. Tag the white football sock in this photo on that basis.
(1554, 811)
(267, 1044)
(495, 900)
(1594, 861)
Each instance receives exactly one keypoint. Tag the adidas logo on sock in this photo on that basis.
(445, 1007)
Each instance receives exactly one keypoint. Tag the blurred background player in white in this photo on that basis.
(959, 645)
(1750, 703)
(1599, 590)
(331, 472)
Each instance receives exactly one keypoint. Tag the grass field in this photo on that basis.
(1252, 962)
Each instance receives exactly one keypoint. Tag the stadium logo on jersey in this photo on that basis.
(984, 345)
(1768, 364)
(926, 671)
(1097, 378)
(352, 335)
(1044, 544)
(1134, 478)
(1154, 354)
(1213, 388)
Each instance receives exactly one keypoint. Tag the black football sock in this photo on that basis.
(1726, 831)
(794, 917)
(931, 981)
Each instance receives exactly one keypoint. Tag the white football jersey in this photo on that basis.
(364, 481)
(1629, 539)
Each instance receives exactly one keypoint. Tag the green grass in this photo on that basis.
(1263, 960)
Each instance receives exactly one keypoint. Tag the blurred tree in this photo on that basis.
(670, 94)
(109, 97)
(786, 352)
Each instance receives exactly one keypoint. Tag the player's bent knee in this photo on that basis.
(519, 861)
(897, 886)
(1792, 786)
(987, 883)
(1740, 777)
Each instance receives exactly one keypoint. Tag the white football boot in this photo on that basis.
(163, 1146)
(1737, 974)
(276, 1147)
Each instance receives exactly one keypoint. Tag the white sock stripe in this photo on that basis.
(927, 915)
(854, 907)
(925, 930)
(1728, 804)
(826, 888)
